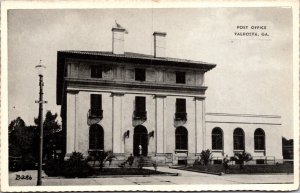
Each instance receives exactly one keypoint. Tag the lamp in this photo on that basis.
(126, 134)
(151, 134)
(40, 70)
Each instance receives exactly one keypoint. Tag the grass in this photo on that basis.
(128, 171)
(247, 169)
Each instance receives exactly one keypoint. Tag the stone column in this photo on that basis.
(71, 122)
(117, 127)
(200, 132)
(159, 127)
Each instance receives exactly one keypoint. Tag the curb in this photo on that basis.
(205, 172)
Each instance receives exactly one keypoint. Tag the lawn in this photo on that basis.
(247, 169)
(128, 171)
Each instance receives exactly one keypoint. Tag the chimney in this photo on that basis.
(159, 44)
(118, 40)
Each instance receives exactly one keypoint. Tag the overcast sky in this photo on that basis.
(253, 74)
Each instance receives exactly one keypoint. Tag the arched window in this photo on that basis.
(181, 138)
(96, 137)
(238, 139)
(259, 139)
(217, 138)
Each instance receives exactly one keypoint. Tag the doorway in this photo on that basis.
(140, 137)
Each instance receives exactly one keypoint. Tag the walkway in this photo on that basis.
(185, 177)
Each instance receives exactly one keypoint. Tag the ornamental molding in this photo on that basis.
(135, 86)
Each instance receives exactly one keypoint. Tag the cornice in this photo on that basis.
(135, 86)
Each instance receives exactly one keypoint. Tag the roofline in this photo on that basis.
(62, 55)
(243, 115)
(124, 57)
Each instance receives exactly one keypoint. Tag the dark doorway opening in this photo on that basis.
(140, 137)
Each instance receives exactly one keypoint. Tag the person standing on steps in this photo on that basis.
(140, 150)
(130, 160)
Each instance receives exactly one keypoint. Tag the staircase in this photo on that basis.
(144, 161)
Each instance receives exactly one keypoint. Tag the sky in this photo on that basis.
(253, 73)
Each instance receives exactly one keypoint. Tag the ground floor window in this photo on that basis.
(181, 138)
(259, 139)
(96, 137)
(238, 139)
(217, 138)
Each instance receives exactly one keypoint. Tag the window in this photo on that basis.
(181, 138)
(180, 113)
(238, 139)
(180, 77)
(260, 161)
(140, 107)
(140, 74)
(217, 138)
(96, 71)
(96, 137)
(96, 106)
(259, 139)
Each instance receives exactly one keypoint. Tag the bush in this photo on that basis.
(206, 156)
(77, 166)
(240, 158)
(54, 167)
(101, 157)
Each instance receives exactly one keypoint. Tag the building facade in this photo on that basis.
(132, 103)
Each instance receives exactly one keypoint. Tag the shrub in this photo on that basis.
(54, 167)
(206, 156)
(77, 166)
(109, 157)
(101, 157)
(240, 158)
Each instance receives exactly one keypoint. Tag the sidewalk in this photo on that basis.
(185, 177)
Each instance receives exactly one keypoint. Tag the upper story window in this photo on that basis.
(140, 108)
(96, 71)
(140, 74)
(180, 77)
(96, 106)
(180, 113)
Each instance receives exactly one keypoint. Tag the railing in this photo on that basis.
(140, 115)
(180, 116)
(95, 113)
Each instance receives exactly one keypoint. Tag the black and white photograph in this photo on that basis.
(104, 95)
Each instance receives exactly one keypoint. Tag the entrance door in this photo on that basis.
(140, 137)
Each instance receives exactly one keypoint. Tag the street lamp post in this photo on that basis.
(40, 69)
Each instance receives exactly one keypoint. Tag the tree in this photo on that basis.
(206, 156)
(241, 158)
(21, 141)
(52, 134)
